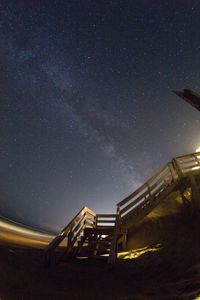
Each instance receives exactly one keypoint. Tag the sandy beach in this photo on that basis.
(171, 272)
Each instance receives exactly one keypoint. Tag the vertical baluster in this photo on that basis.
(173, 172)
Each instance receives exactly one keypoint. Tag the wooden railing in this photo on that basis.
(148, 191)
(85, 218)
(188, 163)
(139, 203)
(105, 220)
(142, 198)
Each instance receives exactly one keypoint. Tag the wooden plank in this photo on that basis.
(185, 159)
(148, 203)
(145, 185)
(191, 163)
(77, 224)
(89, 211)
(79, 214)
(105, 221)
(106, 216)
(185, 156)
(157, 174)
(178, 167)
(188, 168)
(135, 216)
(128, 198)
(173, 172)
(89, 224)
(160, 180)
(129, 206)
(197, 158)
(65, 231)
(159, 191)
(89, 221)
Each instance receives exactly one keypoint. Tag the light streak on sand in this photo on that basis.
(135, 253)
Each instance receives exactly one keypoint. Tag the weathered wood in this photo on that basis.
(160, 181)
(105, 221)
(97, 231)
(71, 231)
(173, 172)
(99, 216)
(128, 198)
(138, 214)
(184, 157)
(189, 168)
(178, 168)
(114, 245)
(133, 203)
(157, 174)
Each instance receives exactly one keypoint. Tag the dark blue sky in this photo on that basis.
(87, 112)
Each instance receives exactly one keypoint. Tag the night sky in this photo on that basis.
(86, 108)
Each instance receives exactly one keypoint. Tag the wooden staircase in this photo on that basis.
(91, 234)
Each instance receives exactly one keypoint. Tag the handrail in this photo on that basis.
(189, 162)
(74, 228)
(144, 193)
(163, 178)
(105, 220)
(138, 203)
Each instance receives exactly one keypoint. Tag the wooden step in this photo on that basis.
(99, 231)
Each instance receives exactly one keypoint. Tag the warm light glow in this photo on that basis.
(196, 168)
(137, 252)
(132, 254)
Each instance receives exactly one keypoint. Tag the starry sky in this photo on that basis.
(86, 108)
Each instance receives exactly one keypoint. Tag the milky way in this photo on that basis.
(87, 112)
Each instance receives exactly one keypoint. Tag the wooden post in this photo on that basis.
(197, 159)
(173, 172)
(69, 241)
(149, 191)
(94, 243)
(177, 167)
(114, 245)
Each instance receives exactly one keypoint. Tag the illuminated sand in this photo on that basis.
(169, 270)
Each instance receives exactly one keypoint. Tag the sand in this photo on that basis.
(171, 272)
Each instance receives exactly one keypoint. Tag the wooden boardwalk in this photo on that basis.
(93, 234)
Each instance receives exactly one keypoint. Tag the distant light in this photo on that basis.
(198, 149)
